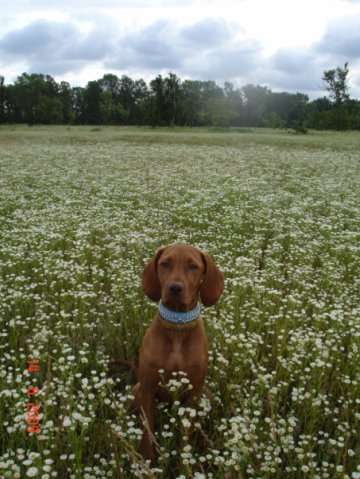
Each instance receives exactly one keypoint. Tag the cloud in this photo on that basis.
(151, 48)
(294, 69)
(209, 48)
(204, 49)
(37, 38)
(293, 61)
(210, 31)
(28, 5)
(342, 38)
(283, 81)
(213, 52)
(224, 63)
(298, 69)
(53, 47)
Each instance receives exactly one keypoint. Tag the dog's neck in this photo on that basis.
(179, 320)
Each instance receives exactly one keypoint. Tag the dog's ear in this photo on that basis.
(213, 285)
(150, 280)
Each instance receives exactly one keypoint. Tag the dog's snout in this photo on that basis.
(175, 288)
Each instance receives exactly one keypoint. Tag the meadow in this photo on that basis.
(83, 208)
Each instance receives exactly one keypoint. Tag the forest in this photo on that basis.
(170, 101)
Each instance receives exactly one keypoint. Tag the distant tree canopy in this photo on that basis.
(168, 101)
(343, 113)
(336, 84)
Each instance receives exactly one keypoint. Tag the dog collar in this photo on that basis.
(176, 317)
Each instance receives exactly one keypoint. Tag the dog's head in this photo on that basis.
(178, 274)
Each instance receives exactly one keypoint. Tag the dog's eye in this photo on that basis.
(165, 264)
(193, 267)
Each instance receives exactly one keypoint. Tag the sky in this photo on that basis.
(283, 44)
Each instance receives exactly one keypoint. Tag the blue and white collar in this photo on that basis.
(176, 317)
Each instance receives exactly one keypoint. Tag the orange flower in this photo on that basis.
(33, 407)
(32, 421)
(33, 366)
(32, 391)
(35, 429)
(32, 416)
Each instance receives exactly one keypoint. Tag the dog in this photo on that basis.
(177, 276)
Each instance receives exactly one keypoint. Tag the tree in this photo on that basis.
(110, 98)
(211, 94)
(336, 84)
(319, 113)
(110, 83)
(220, 112)
(49, 110)
(141, 110)
(286, 109)
(66, 98)
(255, 104)
(93, 103)
(127, 99)
(235, 102)
(78, 104)
(158, 100)
(36, 99)
(188, 111)
(2, 99)
(12, 110)
(172, 89)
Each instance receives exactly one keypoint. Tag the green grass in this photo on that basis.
(82, 209)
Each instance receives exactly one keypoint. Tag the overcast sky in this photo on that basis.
(284, 44)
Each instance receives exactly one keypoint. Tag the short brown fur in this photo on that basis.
(178, 275)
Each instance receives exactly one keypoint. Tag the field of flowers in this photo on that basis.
(82, 209)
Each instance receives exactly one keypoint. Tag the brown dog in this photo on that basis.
(175, 341)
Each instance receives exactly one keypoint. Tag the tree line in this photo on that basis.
(168, 101)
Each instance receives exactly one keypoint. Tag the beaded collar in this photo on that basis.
(175, 317)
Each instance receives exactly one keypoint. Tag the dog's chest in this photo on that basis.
(183, 354)
(176, 357)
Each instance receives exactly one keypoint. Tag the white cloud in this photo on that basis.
(342, 38)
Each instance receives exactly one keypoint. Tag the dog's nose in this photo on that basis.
(175, 288)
